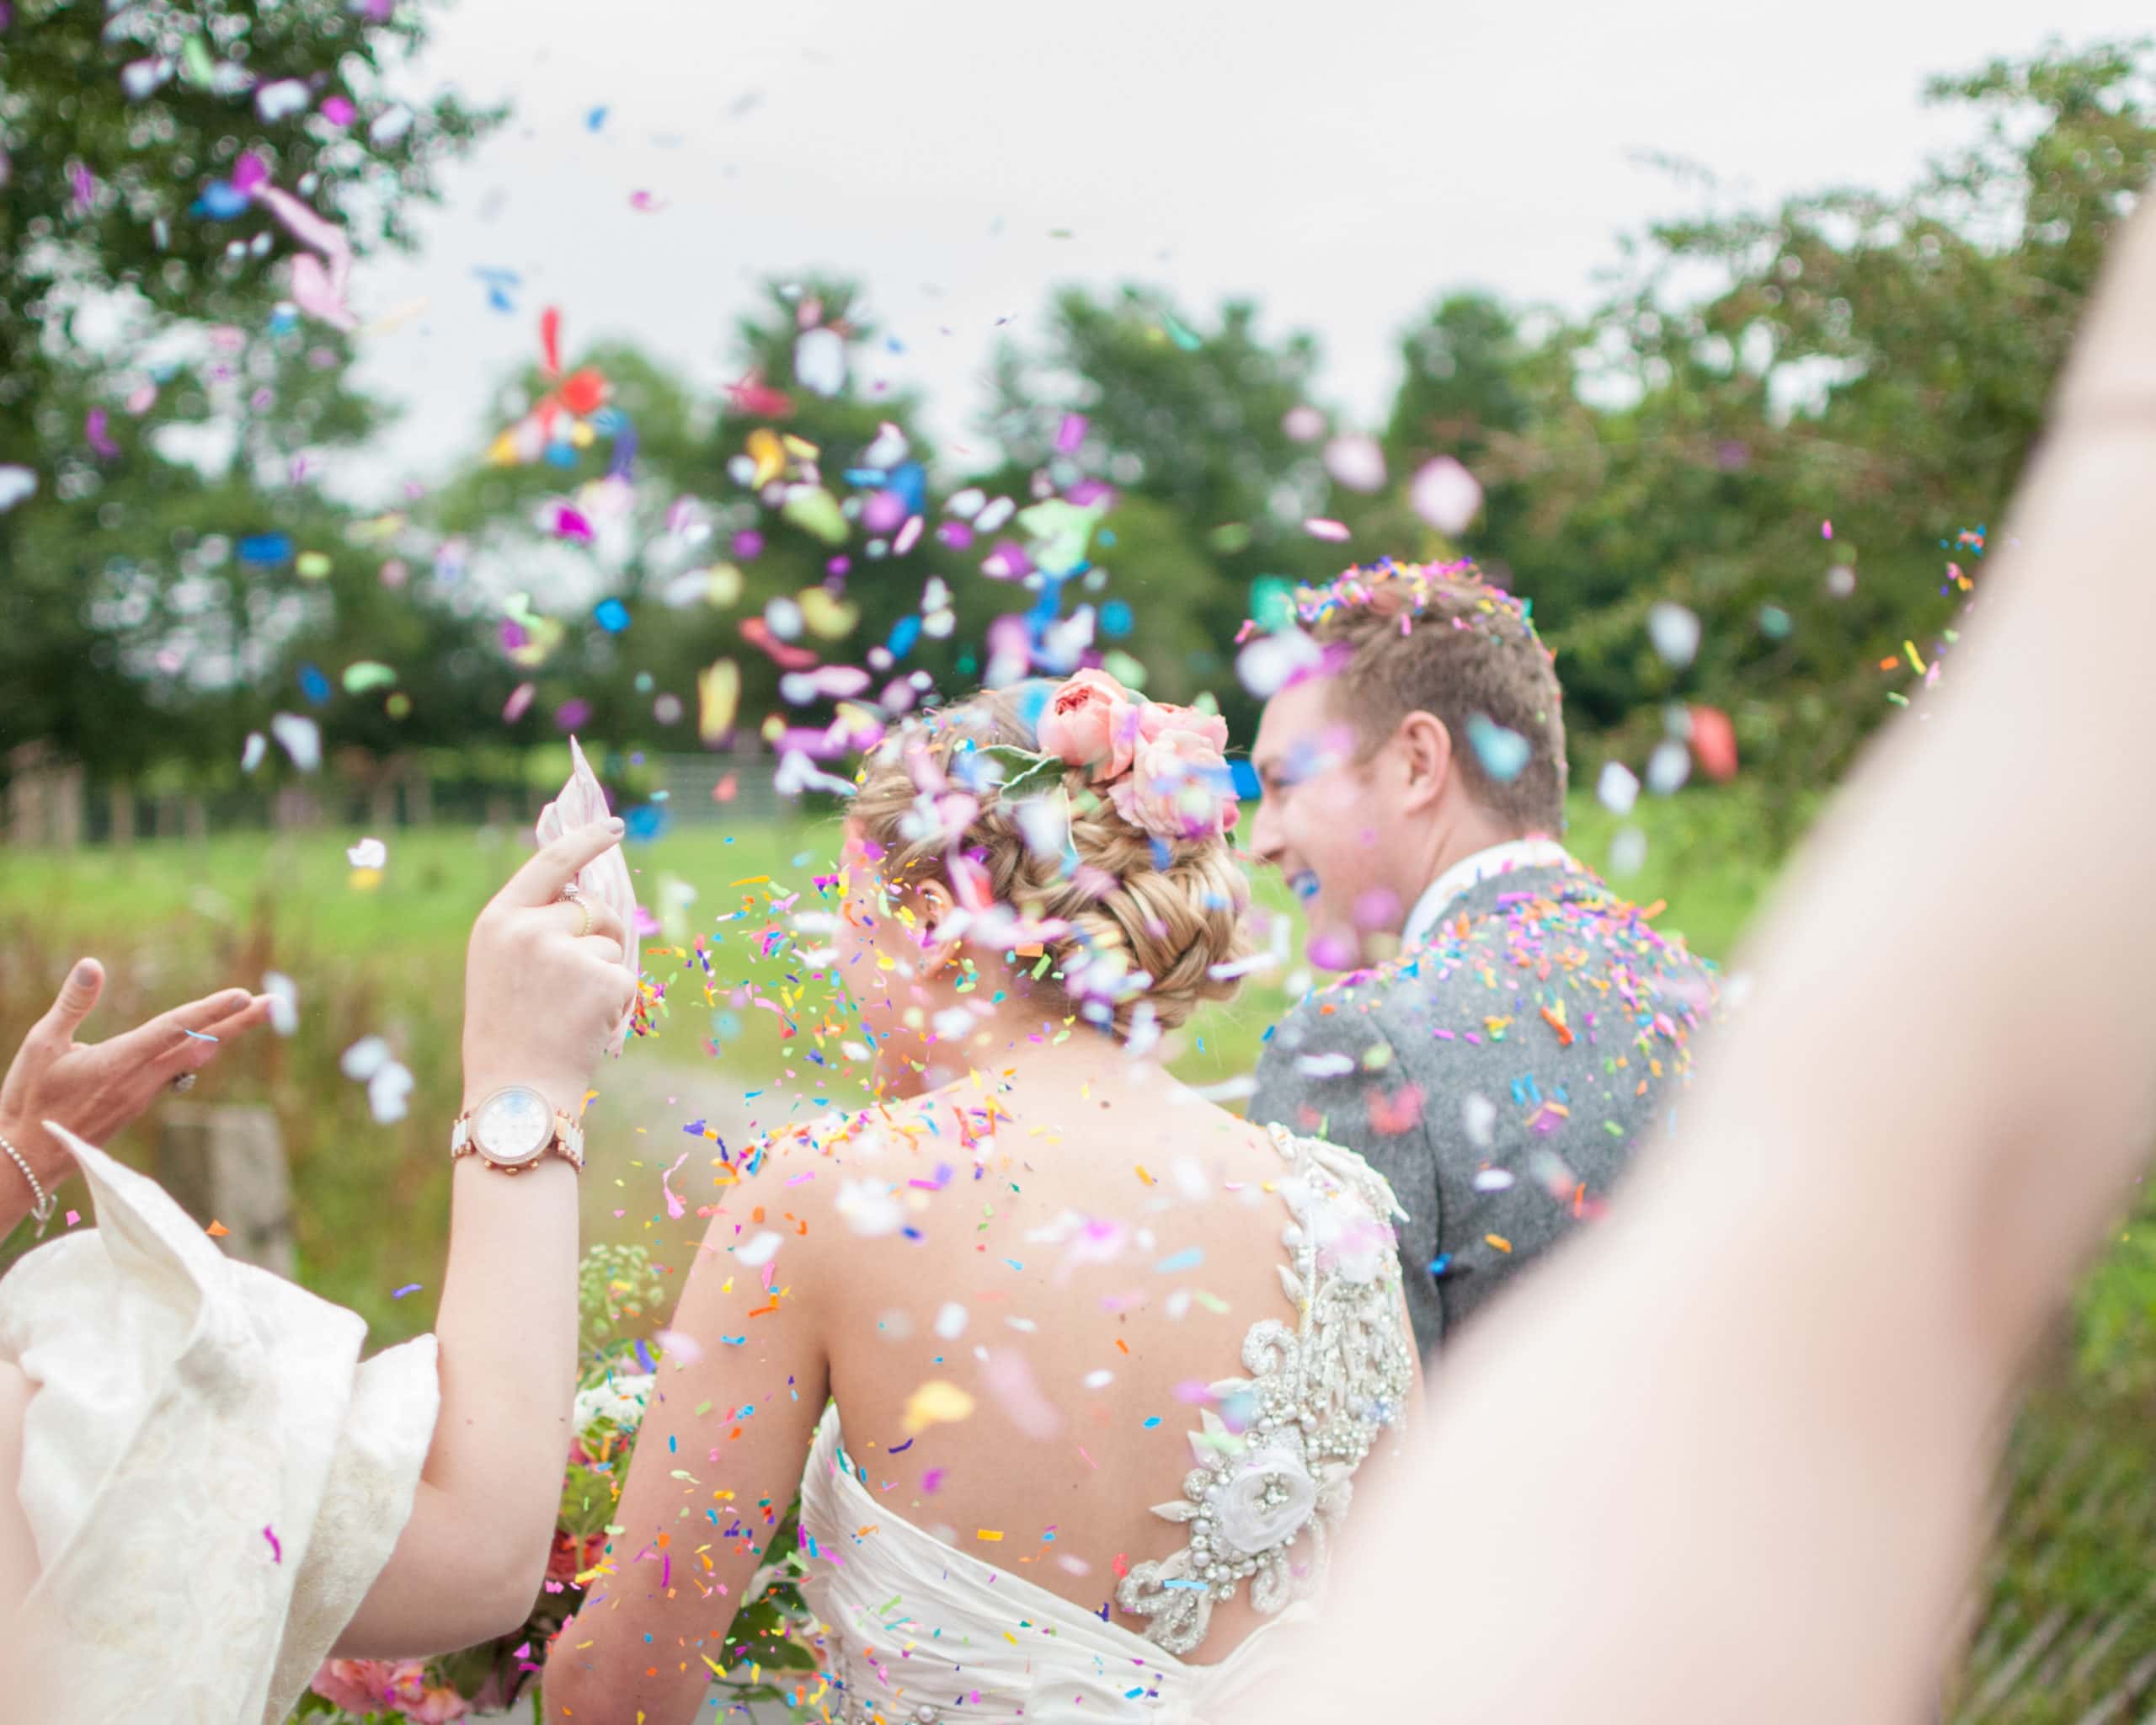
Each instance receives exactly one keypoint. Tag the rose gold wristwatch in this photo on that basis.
(514, 1129)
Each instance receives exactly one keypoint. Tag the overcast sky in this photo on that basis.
(1341, 162)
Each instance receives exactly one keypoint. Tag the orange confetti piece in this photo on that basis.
(1556, 1021)
(1499, 1241)
(217, 1231)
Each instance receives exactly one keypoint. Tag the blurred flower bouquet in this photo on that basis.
(617, 1284)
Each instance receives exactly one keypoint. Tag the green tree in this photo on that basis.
(150, 385)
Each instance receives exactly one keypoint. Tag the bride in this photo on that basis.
(1076, 1374)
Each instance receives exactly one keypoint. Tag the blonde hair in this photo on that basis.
(1162, 916)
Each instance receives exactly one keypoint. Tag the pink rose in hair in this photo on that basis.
(1155, 719)
(1177, 787)
(1091, 720)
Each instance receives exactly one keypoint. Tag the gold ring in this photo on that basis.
(586, 908)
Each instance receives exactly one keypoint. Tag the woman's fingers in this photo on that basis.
(567, 915)
(77, 995)
(194, 1052)
(542, 879)
(150, 1049)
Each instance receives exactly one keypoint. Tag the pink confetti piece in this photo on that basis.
(93, 429)
(276, 1548)
(318, 283)
(1321, 527)
(676, 1209)
(520, 700)
(1445, 494)
(1826, 530)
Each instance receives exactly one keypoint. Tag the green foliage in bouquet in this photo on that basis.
(618, 1291)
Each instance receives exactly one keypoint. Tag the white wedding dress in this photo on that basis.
(918, 1633)
(213, 1477)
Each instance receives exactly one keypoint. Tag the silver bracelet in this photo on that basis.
(41, 1205)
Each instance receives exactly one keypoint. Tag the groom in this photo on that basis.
(1533, 1027)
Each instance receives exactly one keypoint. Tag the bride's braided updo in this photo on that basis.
(1162, 910)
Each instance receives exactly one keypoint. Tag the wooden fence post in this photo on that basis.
(225, 1164)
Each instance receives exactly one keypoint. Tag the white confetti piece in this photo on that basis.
(1674, 631)
(1617, 788)
(1445, 494)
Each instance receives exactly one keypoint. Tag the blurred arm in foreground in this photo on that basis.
(1729, 1453)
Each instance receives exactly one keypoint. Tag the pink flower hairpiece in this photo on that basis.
(1164, 767)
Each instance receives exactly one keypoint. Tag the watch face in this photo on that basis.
(513, 1126)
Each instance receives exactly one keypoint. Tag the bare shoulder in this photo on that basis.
(842, 1176)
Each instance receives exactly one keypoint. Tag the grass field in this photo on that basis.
(172, 919)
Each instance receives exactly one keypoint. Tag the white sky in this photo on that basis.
(1342, 162)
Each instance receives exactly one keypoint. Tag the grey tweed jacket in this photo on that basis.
(1500, 1074)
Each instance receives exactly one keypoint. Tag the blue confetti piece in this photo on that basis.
(1188, 1258)
(1504, 754)
(611, 616)
(314, 685)
(1116, 617)
(266, 550)
(595, 118)
(409, 1288)
(221, 201)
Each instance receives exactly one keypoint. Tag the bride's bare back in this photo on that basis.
(1020, 1295)
(1018, 1370)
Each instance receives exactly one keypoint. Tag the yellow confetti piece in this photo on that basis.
(936, 1402)
(986, 1532)
(1143, 1175)
(1910, 648)
(1499, 1241)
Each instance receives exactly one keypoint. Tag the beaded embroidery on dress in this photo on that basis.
(1276, 1461)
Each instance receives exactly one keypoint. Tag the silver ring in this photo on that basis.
(184, 1083)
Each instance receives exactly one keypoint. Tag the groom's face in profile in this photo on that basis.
(1319, 822)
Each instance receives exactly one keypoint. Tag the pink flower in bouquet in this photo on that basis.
(1091, 720)
(429, 1704)
(388, 1685)
(1178, 786)
(356, 1686)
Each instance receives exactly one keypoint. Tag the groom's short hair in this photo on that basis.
(1437, 638)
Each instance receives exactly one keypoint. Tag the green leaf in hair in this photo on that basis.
(1025, 773)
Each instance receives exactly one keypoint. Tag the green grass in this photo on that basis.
(172, 919)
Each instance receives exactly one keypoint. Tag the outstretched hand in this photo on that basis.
(93, 1089)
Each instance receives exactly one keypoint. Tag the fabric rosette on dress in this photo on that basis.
(1276, 1455)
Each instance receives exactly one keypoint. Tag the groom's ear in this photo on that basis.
(1425, 751)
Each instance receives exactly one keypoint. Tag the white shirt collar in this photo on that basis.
(1469, 872)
